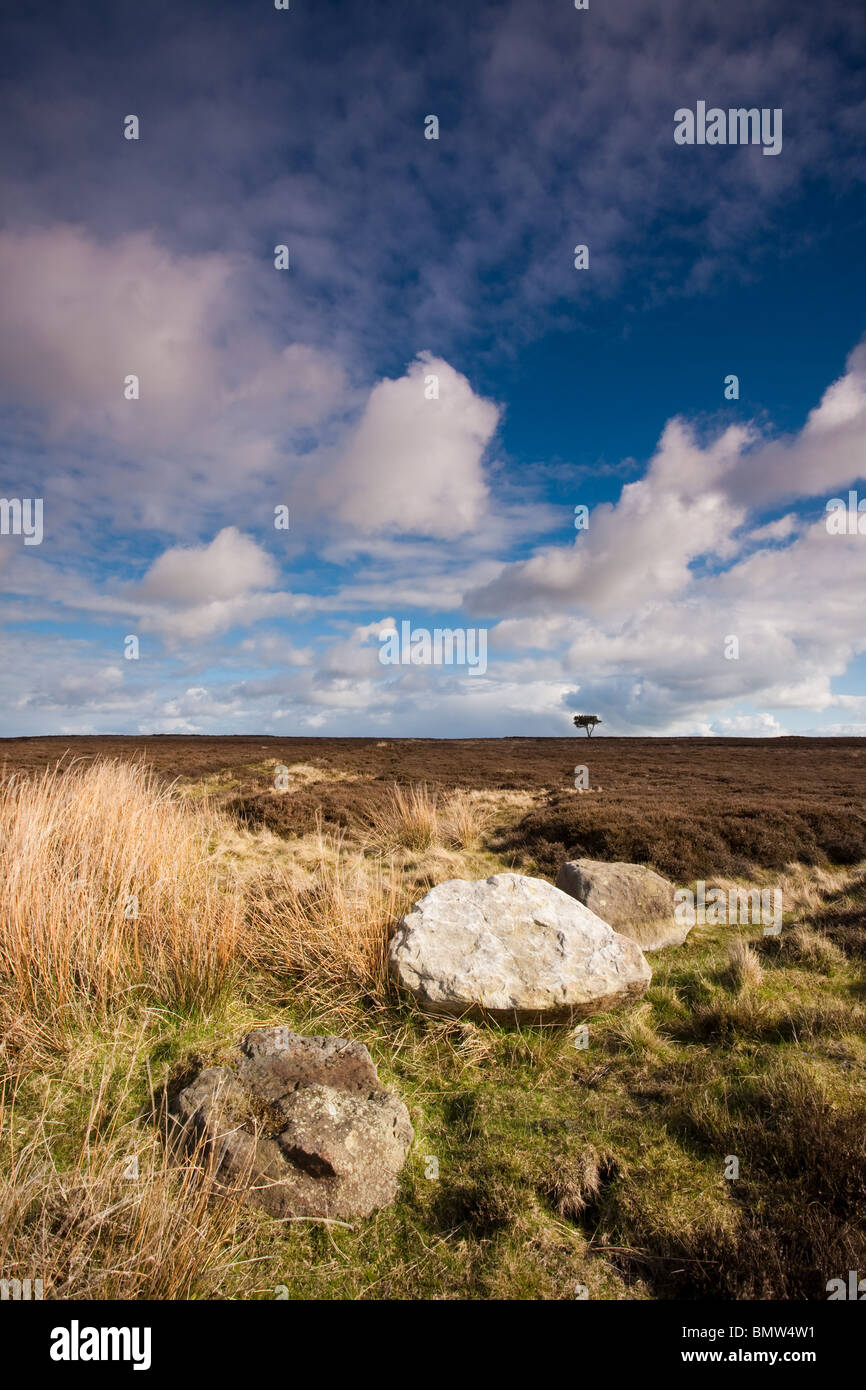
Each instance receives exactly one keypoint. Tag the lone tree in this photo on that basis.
(587, 721)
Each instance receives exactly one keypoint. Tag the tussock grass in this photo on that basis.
(841, 918)
(744, 966)
(411, 818)
(108, 893)
(419, 818)
(747, 1017)
(333, 933)
(633, 1032)
(802, 945)
(574, 1182)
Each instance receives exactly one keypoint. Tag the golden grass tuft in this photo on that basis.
(410, 819)
(574, 1181)
(418, 818)
(108, 890)
(634, 1032)
(744, 967)
(333, 932)
(467, 819)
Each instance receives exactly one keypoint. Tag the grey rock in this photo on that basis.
(635, 900)
(513, 949)
(300, 1124)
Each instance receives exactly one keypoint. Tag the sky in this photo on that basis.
(431, 387)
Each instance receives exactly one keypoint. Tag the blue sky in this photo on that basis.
(451, 258)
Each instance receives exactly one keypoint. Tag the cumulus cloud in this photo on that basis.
(643, 545)
(635, 618)
(642, 606)
(79, 314)
(826, 454)
(231, 565)
(414, 462)
(221, 400)
(194, 592)
(689, 507)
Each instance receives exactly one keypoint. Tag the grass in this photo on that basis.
(539, 1165)
(95, 1200)
(417, 818)
(107, 894)
(744, 970)
(331, 932)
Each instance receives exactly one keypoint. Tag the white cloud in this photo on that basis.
(222, 403)
(747, 726)
(689, 506)
(415, 465)
(640, 547)
(631, 620)
(78, 316)
(825, 455)
(229, 567)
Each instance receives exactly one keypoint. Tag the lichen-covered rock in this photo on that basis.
(513, 949)
(635, 900)
(301, 1124)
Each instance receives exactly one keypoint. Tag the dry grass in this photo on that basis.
(574, 1181)
(634, 1032)
(804, 946)
(744, 967)
(804, 890)
(119, 1217)
(468, 818)
(418, 818)
(410, 819)
(334, 932)
(107, 891)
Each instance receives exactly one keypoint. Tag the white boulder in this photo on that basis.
(513, 949)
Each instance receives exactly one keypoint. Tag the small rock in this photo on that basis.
(636, 901)
(513, 949)
(302, 1123)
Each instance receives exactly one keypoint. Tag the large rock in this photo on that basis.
(513, 949)
(636, 901)
(302, 1123)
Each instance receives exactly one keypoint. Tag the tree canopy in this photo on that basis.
(587, 721)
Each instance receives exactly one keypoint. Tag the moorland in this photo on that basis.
(267, 875)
